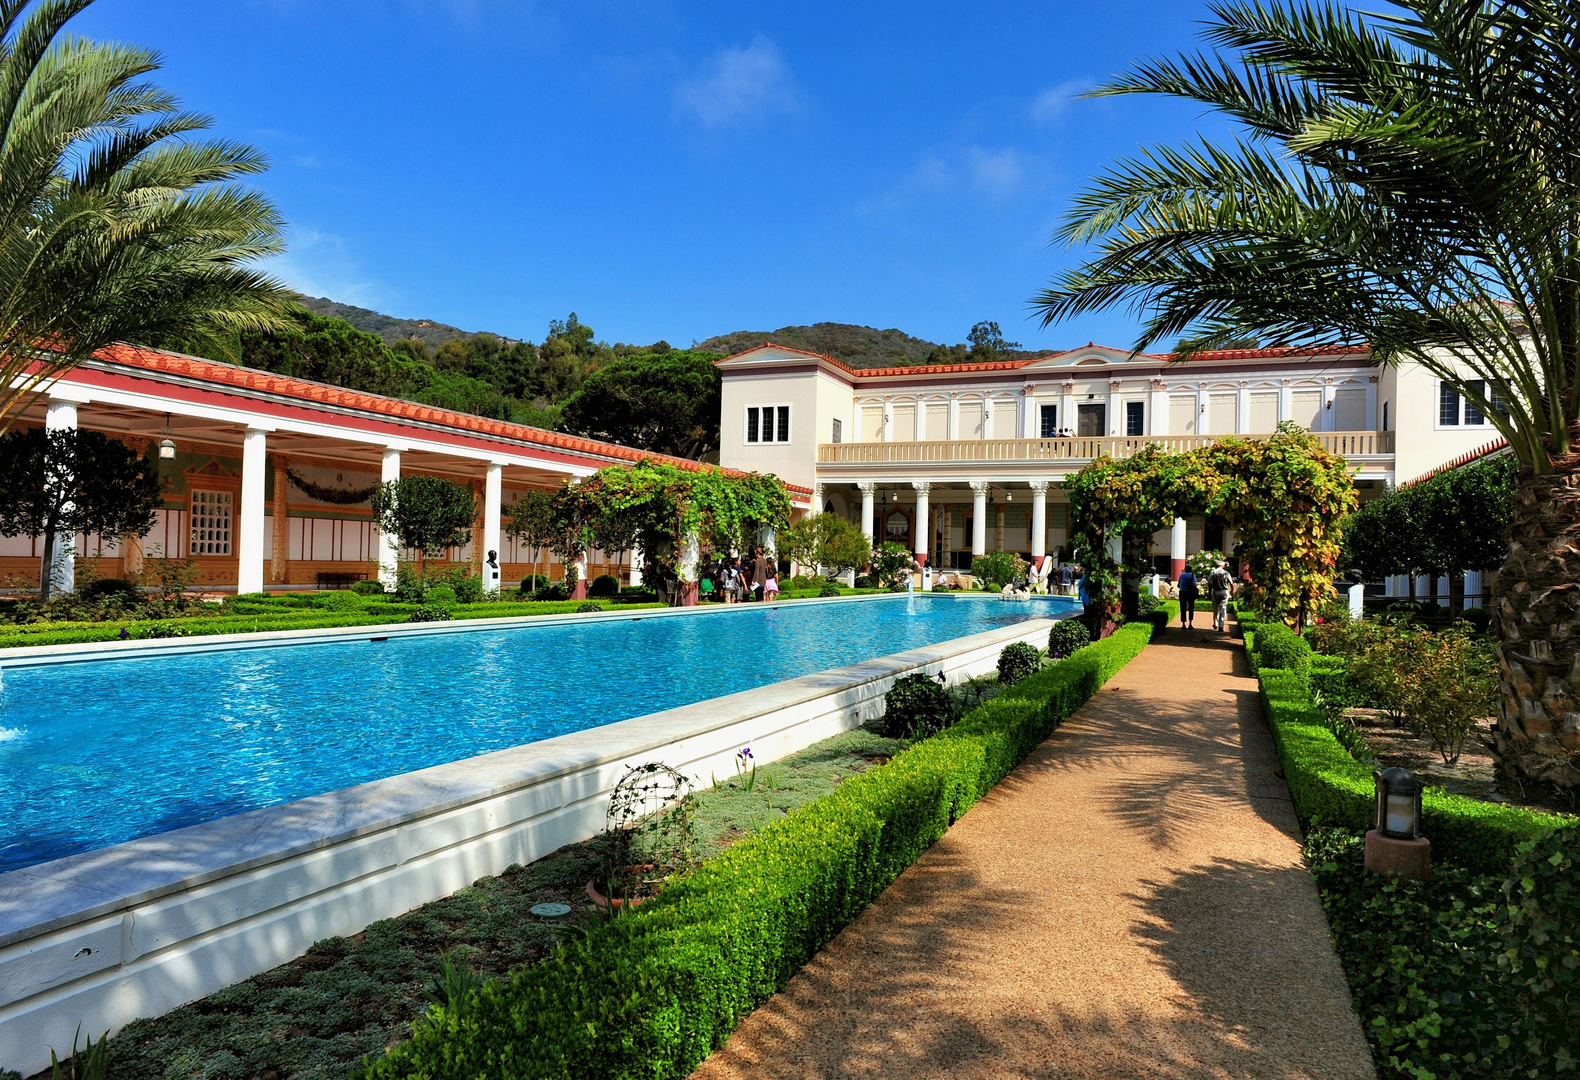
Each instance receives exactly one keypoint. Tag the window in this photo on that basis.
(211, 522)
(1049, 419)
(839, 430)
(1385, 416)
(769, 424)
(1473, 415)
(1135, 418)
(1447, 405)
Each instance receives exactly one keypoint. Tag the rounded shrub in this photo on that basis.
(110, 587)
(340, 600)
(549, 592)
(441, 594)
(368, 588)
(916, 706)
(829, 590)
(430, 613)
(588, 607)
(468, 589)
(1277, 646)
(1066, 636)
(1017, 661)
(604, 585)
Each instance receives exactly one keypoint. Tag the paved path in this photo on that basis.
(1128, 903)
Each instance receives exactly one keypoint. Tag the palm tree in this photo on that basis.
(1410, 180)
(115, 224)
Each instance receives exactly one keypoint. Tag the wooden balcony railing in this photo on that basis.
(1349, 443)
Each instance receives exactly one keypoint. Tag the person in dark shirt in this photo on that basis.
(1189, 590)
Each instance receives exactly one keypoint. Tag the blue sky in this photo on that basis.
(674, 170)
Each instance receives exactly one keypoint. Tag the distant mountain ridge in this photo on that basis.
(430, 333)
(858, 346)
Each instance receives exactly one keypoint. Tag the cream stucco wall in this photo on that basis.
(815, 401)
(1421, 443)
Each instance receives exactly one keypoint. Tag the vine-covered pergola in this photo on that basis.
(666, 513)
(1284, 495)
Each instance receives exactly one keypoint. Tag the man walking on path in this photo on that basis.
(1189, 590)
(1220, 586)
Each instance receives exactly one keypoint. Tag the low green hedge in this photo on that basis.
(260, 617)
(1329, 787)
(651, 994)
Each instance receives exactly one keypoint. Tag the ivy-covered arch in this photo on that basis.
(1284, 495)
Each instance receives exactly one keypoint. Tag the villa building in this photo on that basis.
(266, 479)
(957, 460)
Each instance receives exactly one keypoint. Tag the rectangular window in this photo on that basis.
(768, 423)
(1135, 418)
(1049, 415)
(1447, 405)
(1474, 415)
(839, 430)
(211, 522)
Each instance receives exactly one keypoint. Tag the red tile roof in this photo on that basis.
(1463, 459)
(267, 382)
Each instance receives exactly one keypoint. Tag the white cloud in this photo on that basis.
(322, 264)
(740, 84)
(1051, 103)
(996, 174)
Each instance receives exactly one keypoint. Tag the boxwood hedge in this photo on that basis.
(1330, 787)
(651, 994)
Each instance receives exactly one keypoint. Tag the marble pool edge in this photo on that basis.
(134, 930)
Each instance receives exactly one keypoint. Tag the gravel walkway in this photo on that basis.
(1129, 902)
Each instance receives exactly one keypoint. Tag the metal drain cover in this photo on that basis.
(551, 911)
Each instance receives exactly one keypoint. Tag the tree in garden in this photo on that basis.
(530, 521)
(672, 514)
(1404, 180)
(825, 541)
(116, 224)
(428, 513)
(1380, 538)
(664, 403)
(999, 568)
(56, 484)
(892, 563)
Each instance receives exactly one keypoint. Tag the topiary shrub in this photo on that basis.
(588, 607)
(531, 584)
(1017, 661)
(430, 613)
(1066, 636)
(1480, 619)
(604, 585)
(368, 588)
(916, 706)
(340, 600)
(441, 594)
(549, 592)
(865, 582)
(107, 588)
(829, 590)
(1277, 646)
(468, 590)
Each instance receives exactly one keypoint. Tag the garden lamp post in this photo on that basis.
(1394, 845)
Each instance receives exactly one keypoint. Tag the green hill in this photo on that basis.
(430, 333)
(858, 346)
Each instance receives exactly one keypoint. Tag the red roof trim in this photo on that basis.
(1463, 459)
(1262, 354)
(191, 367)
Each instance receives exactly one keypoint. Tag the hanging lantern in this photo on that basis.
(1398, 804)
(167, 442)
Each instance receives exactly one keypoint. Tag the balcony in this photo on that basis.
(1364, 445)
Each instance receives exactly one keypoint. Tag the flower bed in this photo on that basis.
(654, 992)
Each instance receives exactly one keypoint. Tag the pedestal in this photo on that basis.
(1407, 860)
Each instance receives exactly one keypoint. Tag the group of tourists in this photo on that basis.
(1220, 588)
(737, 579)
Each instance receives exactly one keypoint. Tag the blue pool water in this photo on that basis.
(97, 753)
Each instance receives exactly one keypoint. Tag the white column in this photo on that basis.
(1028, 407)
(1177, 548)
(954, 417)
(1039, 519)
(987, 418)
(389, 551)
(1067, 410)
(493, 500)
(1242, 408)
(979, 494)
(888, 420)
(924, 524)
(1285, 403)
(1325, 421)
(249, 529)
(866, 508)
(61, 415)
(817, 501)
(1158, 409)
(1112, 407)
(1201, 411)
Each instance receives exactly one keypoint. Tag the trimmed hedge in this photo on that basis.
(1329, 787)
(651, 994)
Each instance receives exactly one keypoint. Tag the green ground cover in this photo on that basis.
(1473, 973)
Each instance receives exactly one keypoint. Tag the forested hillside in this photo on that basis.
(388, 327)
(866, 347)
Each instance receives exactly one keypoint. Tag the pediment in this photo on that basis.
(1091, 356)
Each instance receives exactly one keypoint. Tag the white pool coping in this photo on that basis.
(134, 930)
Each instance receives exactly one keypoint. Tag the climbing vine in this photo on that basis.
(1285, 495)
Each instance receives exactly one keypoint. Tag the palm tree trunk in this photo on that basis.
(1536, 611)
